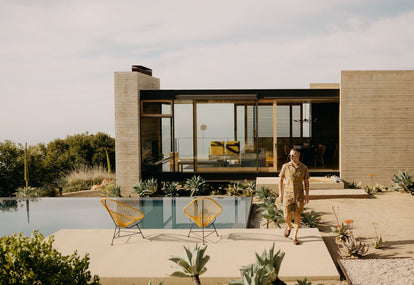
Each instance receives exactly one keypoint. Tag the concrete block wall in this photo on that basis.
(127, 122)
(376, 125)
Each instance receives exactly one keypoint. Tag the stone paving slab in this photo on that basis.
(135, 260)
(338, 193)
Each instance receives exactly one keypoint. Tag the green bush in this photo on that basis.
(33, 260)
(47, 163)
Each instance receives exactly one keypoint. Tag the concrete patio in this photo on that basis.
(136, 261)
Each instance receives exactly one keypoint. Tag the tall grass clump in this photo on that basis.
(83, 178)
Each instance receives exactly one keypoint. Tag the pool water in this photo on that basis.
(49, 215)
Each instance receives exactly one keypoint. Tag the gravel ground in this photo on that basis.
(380, 271)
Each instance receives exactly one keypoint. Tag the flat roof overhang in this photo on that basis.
(303, 95)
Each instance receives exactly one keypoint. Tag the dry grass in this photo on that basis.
(83, 178)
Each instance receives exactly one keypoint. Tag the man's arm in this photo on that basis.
(307, 190)
(281, 178)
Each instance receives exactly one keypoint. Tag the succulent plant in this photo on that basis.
(195, 184)
(146, 188)
(353, 248)
(311, 219)
(192, 265)
(403, 181)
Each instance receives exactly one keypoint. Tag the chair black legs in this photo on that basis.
(117, 232)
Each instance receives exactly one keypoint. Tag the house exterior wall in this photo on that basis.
(127, 121)
(376, 125)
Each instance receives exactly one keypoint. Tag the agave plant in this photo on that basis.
(146, 188)
(264, 271)
(249, 189)
(27, 192)
(353, 248)
(252, 274)
(311, 219)
(263, 192)
(234, 188)
(355, 185)
(193, 264)
(112, 190)
(270, 212)
(170, 189)
(195, 184)
(303, 282)
(403, 181)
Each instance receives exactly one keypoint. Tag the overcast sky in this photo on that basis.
(57, 58)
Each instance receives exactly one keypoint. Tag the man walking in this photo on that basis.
(293, 197)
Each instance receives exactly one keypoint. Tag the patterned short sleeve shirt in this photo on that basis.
(293, 194)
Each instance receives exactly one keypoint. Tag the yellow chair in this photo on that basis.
(232, 147)
(217, 148)
(203, 213)
(124, 217)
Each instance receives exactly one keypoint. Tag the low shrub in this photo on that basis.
(83, 178)
(33, 260)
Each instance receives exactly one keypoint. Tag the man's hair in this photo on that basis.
(297, 150)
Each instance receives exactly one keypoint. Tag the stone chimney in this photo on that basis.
(142, 69)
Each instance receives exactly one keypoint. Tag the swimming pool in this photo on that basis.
(49, 215)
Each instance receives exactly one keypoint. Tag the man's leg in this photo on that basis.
(288, 219)
(296, 215)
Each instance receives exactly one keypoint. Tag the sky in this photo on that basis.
(58, 58)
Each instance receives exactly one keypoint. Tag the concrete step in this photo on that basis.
(315, 183)
(336, 193)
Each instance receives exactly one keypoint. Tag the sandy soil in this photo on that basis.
(392, 211)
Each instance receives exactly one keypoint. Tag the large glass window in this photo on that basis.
(183, 136)
(234, 135)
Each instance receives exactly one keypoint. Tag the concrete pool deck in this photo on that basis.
(136, 260)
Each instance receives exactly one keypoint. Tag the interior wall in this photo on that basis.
(376, 125)
(325, 130)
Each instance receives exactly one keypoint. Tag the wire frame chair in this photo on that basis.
(203, 212)
(124, 217)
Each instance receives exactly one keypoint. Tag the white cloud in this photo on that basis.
(58, 57)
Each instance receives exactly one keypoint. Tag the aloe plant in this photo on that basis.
(192, 265)
(195, 184)
(343, 232)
